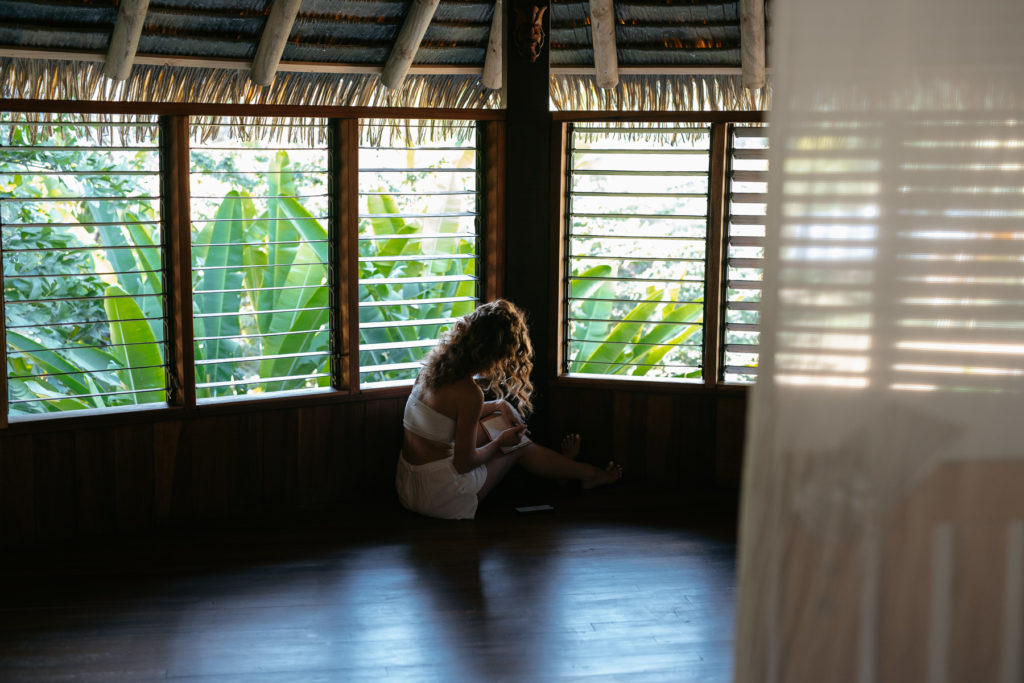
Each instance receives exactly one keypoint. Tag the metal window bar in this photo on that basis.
(261, 327)
(44, 354)
(741, 281)
(636, 259)
(103, 394)
(397, 326)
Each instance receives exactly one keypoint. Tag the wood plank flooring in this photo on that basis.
(609, 586)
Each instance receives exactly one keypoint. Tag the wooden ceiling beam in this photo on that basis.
(752, 43)
(493, 68)
(408, 42)
(602, 29)
(124, 42)
(273, 41)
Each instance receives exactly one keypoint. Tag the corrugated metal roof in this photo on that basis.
(670, 32)
(666, 32)
(693, 34)
(346, 31)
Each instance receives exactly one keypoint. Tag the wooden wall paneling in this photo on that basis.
(170, 461)
(352, 450)
(213, 439)
(384, 441)
(692, 434)
(280, 464)
(96, 479)
(492, 189)
(659, 447)
(595, 417)
(699, 419)
(622, 442)
(136, 478)
(17, 490)
(175, 208)
(636, 466)
(715, 241)
(730, 437)
(563, 414)
(247, 467)
(386, 457)
(313, 452)
(55, 498)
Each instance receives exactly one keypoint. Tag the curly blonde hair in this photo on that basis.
(492, 341)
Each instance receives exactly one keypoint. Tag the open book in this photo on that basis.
(495, 424)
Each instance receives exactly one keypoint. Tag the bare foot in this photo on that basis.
(571, 446)
(609, 475)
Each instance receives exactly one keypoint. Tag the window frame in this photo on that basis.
(342, 225)
(714, 279)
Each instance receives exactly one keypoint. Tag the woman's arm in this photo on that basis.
(469, 408)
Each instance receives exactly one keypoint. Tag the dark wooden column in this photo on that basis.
(344, 231)
(492, 225)
(174, 168)
(528, 187)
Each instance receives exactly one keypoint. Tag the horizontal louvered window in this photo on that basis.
(260, 299)
(82, 262)
(418, 246)
(744, 251)
(636, 249)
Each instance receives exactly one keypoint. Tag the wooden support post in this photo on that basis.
(492, 188)
(752, 43)
(528, 198)
(493, 67)
(125, 40)
(344, 141)
(273, 41)
(408, 42)
(559, 184)
(174, 165)
(344, 242)
(713, 290)
(602, 29)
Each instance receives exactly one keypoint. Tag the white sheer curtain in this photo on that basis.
(882, 532)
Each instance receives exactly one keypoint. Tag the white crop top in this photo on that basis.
(422, 420)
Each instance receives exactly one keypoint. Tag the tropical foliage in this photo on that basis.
(83, 274)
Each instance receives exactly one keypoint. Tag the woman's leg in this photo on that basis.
(497, 468)
(496, 471)
(550, 464)
(547, 463)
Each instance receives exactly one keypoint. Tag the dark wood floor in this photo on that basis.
(612, 585)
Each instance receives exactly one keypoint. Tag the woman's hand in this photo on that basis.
(511, 436)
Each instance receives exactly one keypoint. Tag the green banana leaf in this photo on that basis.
(224, 272)
(48, 361)
(143, 359)
(610, 352)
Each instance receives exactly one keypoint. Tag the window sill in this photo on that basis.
(161, 412)
(648, 385)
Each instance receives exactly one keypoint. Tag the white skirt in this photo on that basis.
(436, 489)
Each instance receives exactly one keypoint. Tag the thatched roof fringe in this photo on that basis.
(684, 92)
(59, 80)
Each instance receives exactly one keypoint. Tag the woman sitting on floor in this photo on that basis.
(448, 463)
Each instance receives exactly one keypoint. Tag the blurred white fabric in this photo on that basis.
(882, 531)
